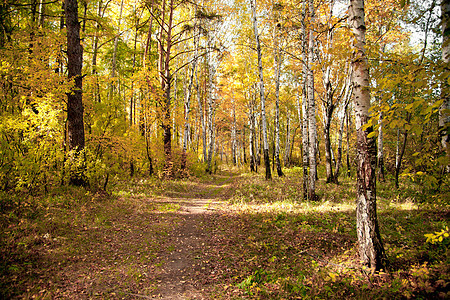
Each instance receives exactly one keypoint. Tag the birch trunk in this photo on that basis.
(311, 111)
(233, 136)
(347, 121)
(94, 55)
(277, 56)
(371, 251)
(262, 96)
(187, 101)
(211, 108)
(304, 117)
(116, 43)
(166, 83)
(341, 130)
(251, 139)
(380, 156)
(287, 148)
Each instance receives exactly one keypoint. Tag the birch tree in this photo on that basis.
(277, 67)
(261, 92)
(304, 117)
(312, 130)
(371, 251)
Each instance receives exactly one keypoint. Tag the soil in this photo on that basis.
(176, 279)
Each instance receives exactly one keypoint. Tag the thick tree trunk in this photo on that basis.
(371, 251)
(75, 123)
(262, 95)
(166, 82)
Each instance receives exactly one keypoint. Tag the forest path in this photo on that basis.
(175, 279)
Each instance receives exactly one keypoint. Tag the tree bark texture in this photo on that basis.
(75, 123)
(277, 56)
(380, 156)
(262, 96)
(304, 117)
(312, 130)
(371, 249)
(444, 116)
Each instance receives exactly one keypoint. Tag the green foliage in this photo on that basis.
(438, 236)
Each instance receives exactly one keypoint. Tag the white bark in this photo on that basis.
(371, 249)
(262, 96)
(277, 59)
(311, 110)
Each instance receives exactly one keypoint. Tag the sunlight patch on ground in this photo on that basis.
(407, 205)
(291, 207)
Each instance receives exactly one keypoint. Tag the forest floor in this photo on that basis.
(226, 236)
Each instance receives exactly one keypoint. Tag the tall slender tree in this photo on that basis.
(261, 92)
(444, 116)
(312, 129)
(277, 67)
(371, 251)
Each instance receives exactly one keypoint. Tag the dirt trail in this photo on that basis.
(175, 280)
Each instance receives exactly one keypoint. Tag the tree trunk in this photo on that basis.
(311, 111)
(251, 138)
(114, 58)
(380, 156)
(341, 133)
(328, 154)
(371, 251)
(262, 96)
(75, 123)
(278, 57)
(287, 148)
(304, 117)
(444, 117)
(399, 154)
(233, 136)
(347, 121)
(187, 101)
(166, 84)
(211, 108)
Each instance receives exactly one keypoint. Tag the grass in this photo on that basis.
(75, 242)
(277, 246)
(267, 244)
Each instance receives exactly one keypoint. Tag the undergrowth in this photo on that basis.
(278, 246)
(268, 243)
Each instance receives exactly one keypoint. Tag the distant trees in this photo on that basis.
(166, 85)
